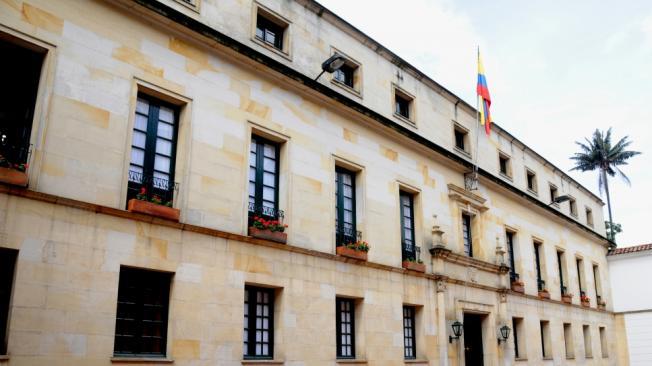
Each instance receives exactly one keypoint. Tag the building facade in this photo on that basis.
(148, 144)
(629, 267)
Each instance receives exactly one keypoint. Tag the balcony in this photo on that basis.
(266, 223)
(412, 258)
(541, 287)
(151, 195)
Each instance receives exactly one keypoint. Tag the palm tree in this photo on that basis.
(599, 153)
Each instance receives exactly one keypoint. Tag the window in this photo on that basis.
(517, 330)
(541, 284)
(553, 195)
(409, 249)
(263, 178)
(597, 284)
(7, 265)
(604, 346)
(346, 74)
(409, 337)
(509, 238)
(560, 266)
(505, 165)
(142, 316)
(345, 231)
(258, 332)
(545, 339)
(345, 325)
(467, 235)
(271, 30)
(531, 181)
(461, 138)
(153, 150)
(580, 280)
(568, 341)
(21, 71)
(403, 104)
(588, 349)
(589, 216)
(573, 206)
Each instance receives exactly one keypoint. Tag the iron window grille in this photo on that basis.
(269, 32)
(142, 314)
(153, 150)
(409, 336)
(7, 266)
(258, 335)
(264, 179)
(409, 249)
(467, 235)
(345, 220)
(540, 282)
(345, 325)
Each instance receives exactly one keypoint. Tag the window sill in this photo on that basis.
(463, 152)
(405, 119)
(350, 361)
(262, 362)
(194, 7)
(269, 47)
(4, 358)
(521, 359)
(555, 204)
(533, 192)
(349, 89)
(136, 360)
(570, 357)
(416, 361)
(548, 358)
(505, 176)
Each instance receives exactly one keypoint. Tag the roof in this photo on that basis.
(634, 249)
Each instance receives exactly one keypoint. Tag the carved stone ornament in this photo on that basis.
(441, 285)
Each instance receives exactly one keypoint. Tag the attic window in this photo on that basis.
(531, 181)
(271, 30)
(505, 165)
(403, 105)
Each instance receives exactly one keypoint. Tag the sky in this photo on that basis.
(556, 70)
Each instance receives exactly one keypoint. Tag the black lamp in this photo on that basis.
(560, 199)
(504, 334)
(333, 63)
(457, 331)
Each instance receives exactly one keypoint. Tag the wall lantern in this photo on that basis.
(560, 199)
(504, 334)
(333, 63)
(457, 331)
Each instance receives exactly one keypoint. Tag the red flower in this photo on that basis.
(143, 190)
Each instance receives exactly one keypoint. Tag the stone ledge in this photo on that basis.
(4, 358)
(262, 362)
(416, 361)
(351, 362)
(141, 360)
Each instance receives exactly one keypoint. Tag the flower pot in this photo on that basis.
(517, 286)
(544, 294)
(277, 236)
(351, 253)
(586, 303)
(567, 298)
(414, 266)
(13, 177)
(602, 306)
(153, 209)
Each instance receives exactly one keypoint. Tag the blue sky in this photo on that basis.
(556, 70)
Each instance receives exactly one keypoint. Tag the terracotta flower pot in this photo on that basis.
(266, 234)
(518, 286)
(544, 294)
(13, 177)
(153, 209)
(602, 305)
(414, 266)
(586, 303)
(351, 253)
(567, 298)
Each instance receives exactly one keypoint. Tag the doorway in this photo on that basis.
(473, 353)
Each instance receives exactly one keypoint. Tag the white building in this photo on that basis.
(631, 270)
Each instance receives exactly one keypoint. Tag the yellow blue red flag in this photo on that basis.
(484, 100)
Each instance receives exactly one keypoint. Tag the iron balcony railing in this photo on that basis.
(513, 276)
(344, 235)
(12, 156)
(267, 213)
(411, 252)
(151, 188)
(541, 285)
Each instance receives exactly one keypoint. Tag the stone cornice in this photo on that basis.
(463, 260)
(99, 209)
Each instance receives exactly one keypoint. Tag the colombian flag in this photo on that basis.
(484, 100)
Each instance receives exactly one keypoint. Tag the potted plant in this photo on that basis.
(566, 297)
(272, 230)
(414, 265)
(357, 249)
(153, 206)
(516, 284)
(586, 301)
(544, 294)
(14, 174)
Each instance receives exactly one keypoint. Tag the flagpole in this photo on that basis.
(477, 130)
